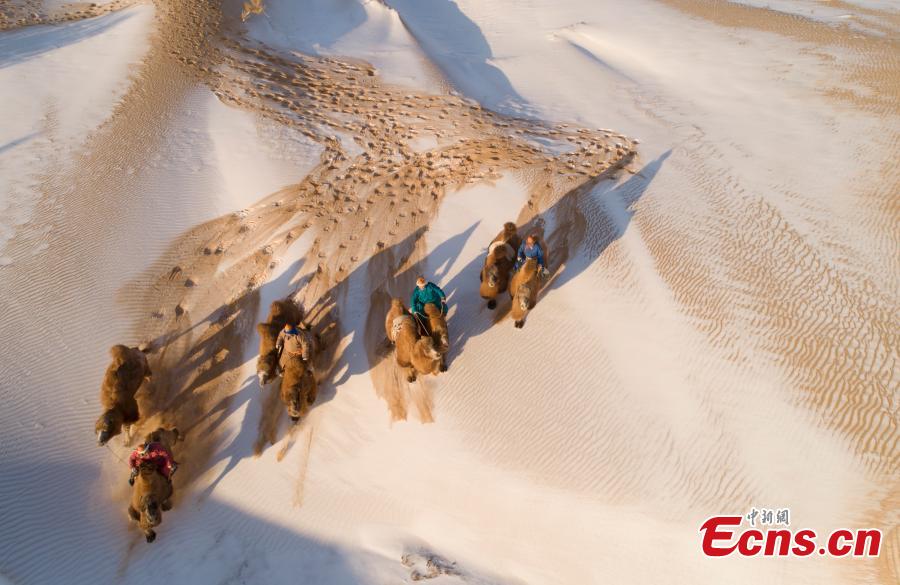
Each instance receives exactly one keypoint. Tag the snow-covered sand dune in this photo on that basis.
(719, 331)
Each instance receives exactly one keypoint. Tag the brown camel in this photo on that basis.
(280, 314)
(152, 492)
(509, 235)
(417, 355)
(397, 309)
(498, 263)
(495, 273)
(298, 387)
(437, 324)
(523, 288)
(123, 378)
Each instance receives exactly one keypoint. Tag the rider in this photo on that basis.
(530, 248)
(293, 341)
(155, 453)
(424, 293)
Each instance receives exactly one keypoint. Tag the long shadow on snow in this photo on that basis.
(265, 412)
(582, 224)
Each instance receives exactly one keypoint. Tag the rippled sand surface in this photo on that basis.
(720, 330)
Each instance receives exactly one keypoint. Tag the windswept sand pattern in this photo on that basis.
(20, 13)
(362, 211)
(728, 298)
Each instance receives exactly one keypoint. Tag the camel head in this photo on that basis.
(428, 349)
(294, 408)
(151, 511)
(524, 293)
(108, 426)
(397, 305)
(164, 435)
(265, 367)
(119, 353)
(493, 275)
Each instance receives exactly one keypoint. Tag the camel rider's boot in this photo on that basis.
(134, 473)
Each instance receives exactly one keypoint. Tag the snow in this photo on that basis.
(365, 30)
(656, 382)
(62, 82)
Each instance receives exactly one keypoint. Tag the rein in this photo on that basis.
(114, 453)
(419, 321)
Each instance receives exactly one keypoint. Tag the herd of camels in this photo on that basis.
(417, 352)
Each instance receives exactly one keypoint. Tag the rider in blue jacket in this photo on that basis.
(424, 293)
(530, 248)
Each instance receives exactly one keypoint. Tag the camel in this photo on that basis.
(417, 355)
(280, 314)
(123, 378)
(437, 324)
(499, 263)
(298, 387)
(509, 235)
(523, 288)
(151, 494)
(495, 273)
(397, 309)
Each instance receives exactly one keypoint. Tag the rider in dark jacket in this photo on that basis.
(424, 293)
(530, 248)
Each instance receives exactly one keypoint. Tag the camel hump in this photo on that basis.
(427, 347)
(397, 325)
(285, 310)
(505, 247)
(119, 352)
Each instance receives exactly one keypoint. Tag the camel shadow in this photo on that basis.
(400, 283)
(265, 414)
(578, 228)
(40, 547)
(600, 214)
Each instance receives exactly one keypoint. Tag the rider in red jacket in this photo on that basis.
(155, 453)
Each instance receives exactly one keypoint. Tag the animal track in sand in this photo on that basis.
(366, 203)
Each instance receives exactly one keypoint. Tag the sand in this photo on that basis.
(717, 332)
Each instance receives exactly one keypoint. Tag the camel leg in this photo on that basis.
(520, 323)
(411, 375)
(443, 362)
(133, 514)
(150, 534)
(167, 505)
